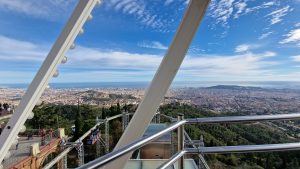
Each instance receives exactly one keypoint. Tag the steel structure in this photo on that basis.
(180, 141)
(80, 151)
(65, 161)
(106, 136)
(78, 141)
(163, 77)
(113, 156)
(100, 162)
(202, 162)
(98, 147)
(45, 73)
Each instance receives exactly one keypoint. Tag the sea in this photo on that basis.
(176, 84)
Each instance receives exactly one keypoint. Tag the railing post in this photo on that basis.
(106, 136)
(80, 151)
(65, 161)
(158, 117)
(180, 144)
(124, 121)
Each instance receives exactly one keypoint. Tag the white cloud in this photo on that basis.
(214, 65)
(168, 2)
(292, 37)
(105, 76)
(259, 7)
(224, 10)
(277, 15)
(145, 65)
(245, 47)
(241, 6)
(93, 58)
(128, 6)
(186, 2)
(296, 58)
(153, 45)
(138, 8)
(242, 48)
(231, 64)
(17, 50)
(265, 35)
(87, 64)
(221, 10)
(11, 77)
(48, 9)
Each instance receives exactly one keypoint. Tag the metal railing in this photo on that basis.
(202, 162)
(79, 140)
(102, 161)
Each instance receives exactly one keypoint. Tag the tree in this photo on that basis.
(118, 108)
(78, 123)
(103, 113)
(113, 111)
(5, 106)
(125, 108)
(116, 133)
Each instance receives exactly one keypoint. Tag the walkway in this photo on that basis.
(22, 152)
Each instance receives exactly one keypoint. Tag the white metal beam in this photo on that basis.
(45, 73)
(163, 77)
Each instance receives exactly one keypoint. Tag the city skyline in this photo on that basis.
(238, 40)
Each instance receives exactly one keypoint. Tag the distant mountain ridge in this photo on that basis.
(235, 87)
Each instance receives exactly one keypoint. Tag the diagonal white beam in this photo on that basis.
(45, 73)
(163, 77)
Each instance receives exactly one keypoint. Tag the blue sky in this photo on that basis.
(238, 40)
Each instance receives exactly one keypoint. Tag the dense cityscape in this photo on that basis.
(60, 104)
(251, 100)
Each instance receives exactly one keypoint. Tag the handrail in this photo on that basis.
(101, 161)
(231, 149)
(244, 148)
(199, 155)
(173, 159)
(239, 119)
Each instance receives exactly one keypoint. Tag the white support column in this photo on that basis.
(163, 77)
(42, 78)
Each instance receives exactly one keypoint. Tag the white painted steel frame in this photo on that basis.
(45, 73)
(67, 150)
(163, 77)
